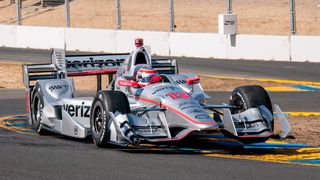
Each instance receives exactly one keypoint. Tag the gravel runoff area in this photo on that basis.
(304, 129)
(254, 16)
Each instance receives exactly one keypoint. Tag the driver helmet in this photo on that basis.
(144, 75)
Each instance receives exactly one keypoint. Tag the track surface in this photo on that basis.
(244, 68)
(34, 157)
(54, 157)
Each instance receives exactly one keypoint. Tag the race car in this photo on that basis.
(147, 100)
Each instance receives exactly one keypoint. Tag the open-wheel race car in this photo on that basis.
(147, 100)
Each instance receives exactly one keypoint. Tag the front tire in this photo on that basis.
(100, 120)
(247, 97)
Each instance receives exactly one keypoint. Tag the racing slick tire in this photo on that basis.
(37, 111)
(105, 102)
(248, 97)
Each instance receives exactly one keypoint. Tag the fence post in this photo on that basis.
(172, 26)
(292, 17)
(67, 13)
(229, 6)
(118, 15)
(18, 11)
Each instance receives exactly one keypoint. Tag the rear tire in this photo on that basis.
(100, 120)
(250, 97)
(37, 111)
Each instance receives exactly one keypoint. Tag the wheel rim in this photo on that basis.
(238, 101)
(98, 120)
(37, 112)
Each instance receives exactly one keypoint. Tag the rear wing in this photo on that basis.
(79, 65)
(165, 66)
(63, 65)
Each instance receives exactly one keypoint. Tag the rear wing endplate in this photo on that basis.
(34, 72)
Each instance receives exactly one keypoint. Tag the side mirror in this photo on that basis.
(192, 80)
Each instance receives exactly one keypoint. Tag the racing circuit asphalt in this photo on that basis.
(244, 68)
(29, 156)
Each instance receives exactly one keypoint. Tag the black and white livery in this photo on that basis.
(147, 100)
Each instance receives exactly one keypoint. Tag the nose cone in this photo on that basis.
(190, 110)
(183, 109)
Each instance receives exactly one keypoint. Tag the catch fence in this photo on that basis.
(277, 17)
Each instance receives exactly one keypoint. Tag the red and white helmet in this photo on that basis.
(144, 75)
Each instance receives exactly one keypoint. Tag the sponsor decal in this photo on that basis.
(228, 23)
(58, 55)
(77, 110)
(202, 116)
(93, 63)
(178, 95)
(186, 107)
(124, 83)
(192, 104)
(195, 111)
(57, 87)
(162, 89)
(181, 81)
(100, 96)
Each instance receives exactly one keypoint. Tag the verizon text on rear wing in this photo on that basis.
(72, 65)
(77, 65)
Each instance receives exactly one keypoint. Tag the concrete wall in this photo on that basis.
(204, 45)
(90, 39)
(197, 45)
(39, 37)
(258, 47)
(7, 36)
(31, 37)
(305, 48)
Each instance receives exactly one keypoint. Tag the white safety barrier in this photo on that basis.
(39, 37)
(31, 37)
(90, 40)
(8, 36)
(258, 47)
(204, 45)
(305, 48)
